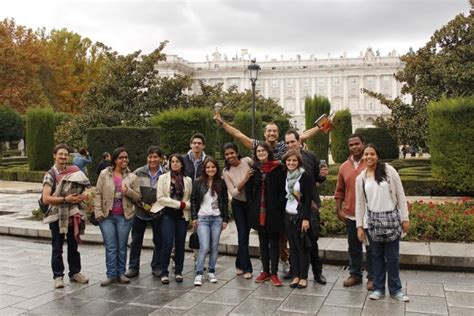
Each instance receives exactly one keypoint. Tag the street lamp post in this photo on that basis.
(253, 76)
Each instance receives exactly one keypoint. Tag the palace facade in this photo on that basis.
(289, 82)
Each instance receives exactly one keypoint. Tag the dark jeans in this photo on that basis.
(386, 260)
(269, 251)
(73, 256)
(242, 261)
(138, 231)
(172, 230)
(299, 253)
(355, 252)
(316, 263)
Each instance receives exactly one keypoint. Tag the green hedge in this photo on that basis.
(415, 185)
(11, 125)
(243, 122)
(135, 139)
(381, 138)
(314, 108)
(178, 125)
(21, 173)
(339, 135)
(40, 138)
(451, 128)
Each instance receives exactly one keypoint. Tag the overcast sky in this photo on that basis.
(270, 28)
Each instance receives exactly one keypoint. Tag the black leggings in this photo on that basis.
(269, 251)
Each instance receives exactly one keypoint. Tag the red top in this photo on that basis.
(345, 187)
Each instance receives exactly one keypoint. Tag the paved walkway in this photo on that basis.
(26, 287)
(18, 199)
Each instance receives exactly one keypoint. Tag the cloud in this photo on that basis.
(195, 27)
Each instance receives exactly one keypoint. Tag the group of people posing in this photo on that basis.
(274, 193)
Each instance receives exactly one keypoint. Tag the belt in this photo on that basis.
(292, 217)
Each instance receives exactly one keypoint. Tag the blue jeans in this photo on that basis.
(240, 210)
(138, 232)
(355, 252)
(172, 230)
(386, 260)
(115, 230)
(209, 231)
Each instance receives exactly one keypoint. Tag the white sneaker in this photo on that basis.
(212, 277)
(198, 280)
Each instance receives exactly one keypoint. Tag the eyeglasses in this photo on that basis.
(197, 143)
(123, 157)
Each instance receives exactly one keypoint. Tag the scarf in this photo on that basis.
(178, 179)
(291, 179)
(265, 169)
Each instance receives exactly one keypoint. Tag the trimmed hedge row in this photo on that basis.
(135, 139)
(40, 137)
(314, 108)
(381, 138)
(451, 127)
(21, 173)
(342, 130)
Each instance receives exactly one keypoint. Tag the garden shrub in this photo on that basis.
(339, 135)
(381, 138)
(314, 108)
(176, 127)
(40, 138)
(135, 139)
(451, 128)
(243, 122)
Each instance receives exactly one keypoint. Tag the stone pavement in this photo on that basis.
(26, 287)
(15, 211)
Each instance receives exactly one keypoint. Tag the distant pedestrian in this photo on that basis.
(116, 190)
(21, 147)
(64, 214)
(404, 151)
(82, 160)
(382, 209)
(209, 212)
(106, 158)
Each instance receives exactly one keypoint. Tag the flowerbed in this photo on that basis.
(447, 221)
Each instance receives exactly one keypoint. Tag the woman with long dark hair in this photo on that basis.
(116, 190)
(265, 193)
(173, 194)
(209, 212)
(382, 212)
(237, 172)
(298, 215)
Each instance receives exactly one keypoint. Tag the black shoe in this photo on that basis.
(319, 278)
(131, 273)
(156, 272)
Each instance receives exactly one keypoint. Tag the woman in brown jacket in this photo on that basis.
(117, 188)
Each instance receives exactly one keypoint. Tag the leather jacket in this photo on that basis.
(199, 190)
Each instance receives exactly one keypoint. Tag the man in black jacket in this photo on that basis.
(311, 166)
(148, 178)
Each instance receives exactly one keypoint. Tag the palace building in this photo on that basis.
(290, 81)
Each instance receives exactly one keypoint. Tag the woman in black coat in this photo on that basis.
(265, 192)
(298, 216)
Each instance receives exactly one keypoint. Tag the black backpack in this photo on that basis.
(43, 206)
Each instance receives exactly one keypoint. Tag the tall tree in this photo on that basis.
(443, 67)
(314, 108)
(22, 52)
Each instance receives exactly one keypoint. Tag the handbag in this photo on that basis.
(194, 240)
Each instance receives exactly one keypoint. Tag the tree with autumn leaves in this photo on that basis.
(40, 69)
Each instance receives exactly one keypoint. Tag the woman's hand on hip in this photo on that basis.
(304, 225)
(361, 234)
(224, 225)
